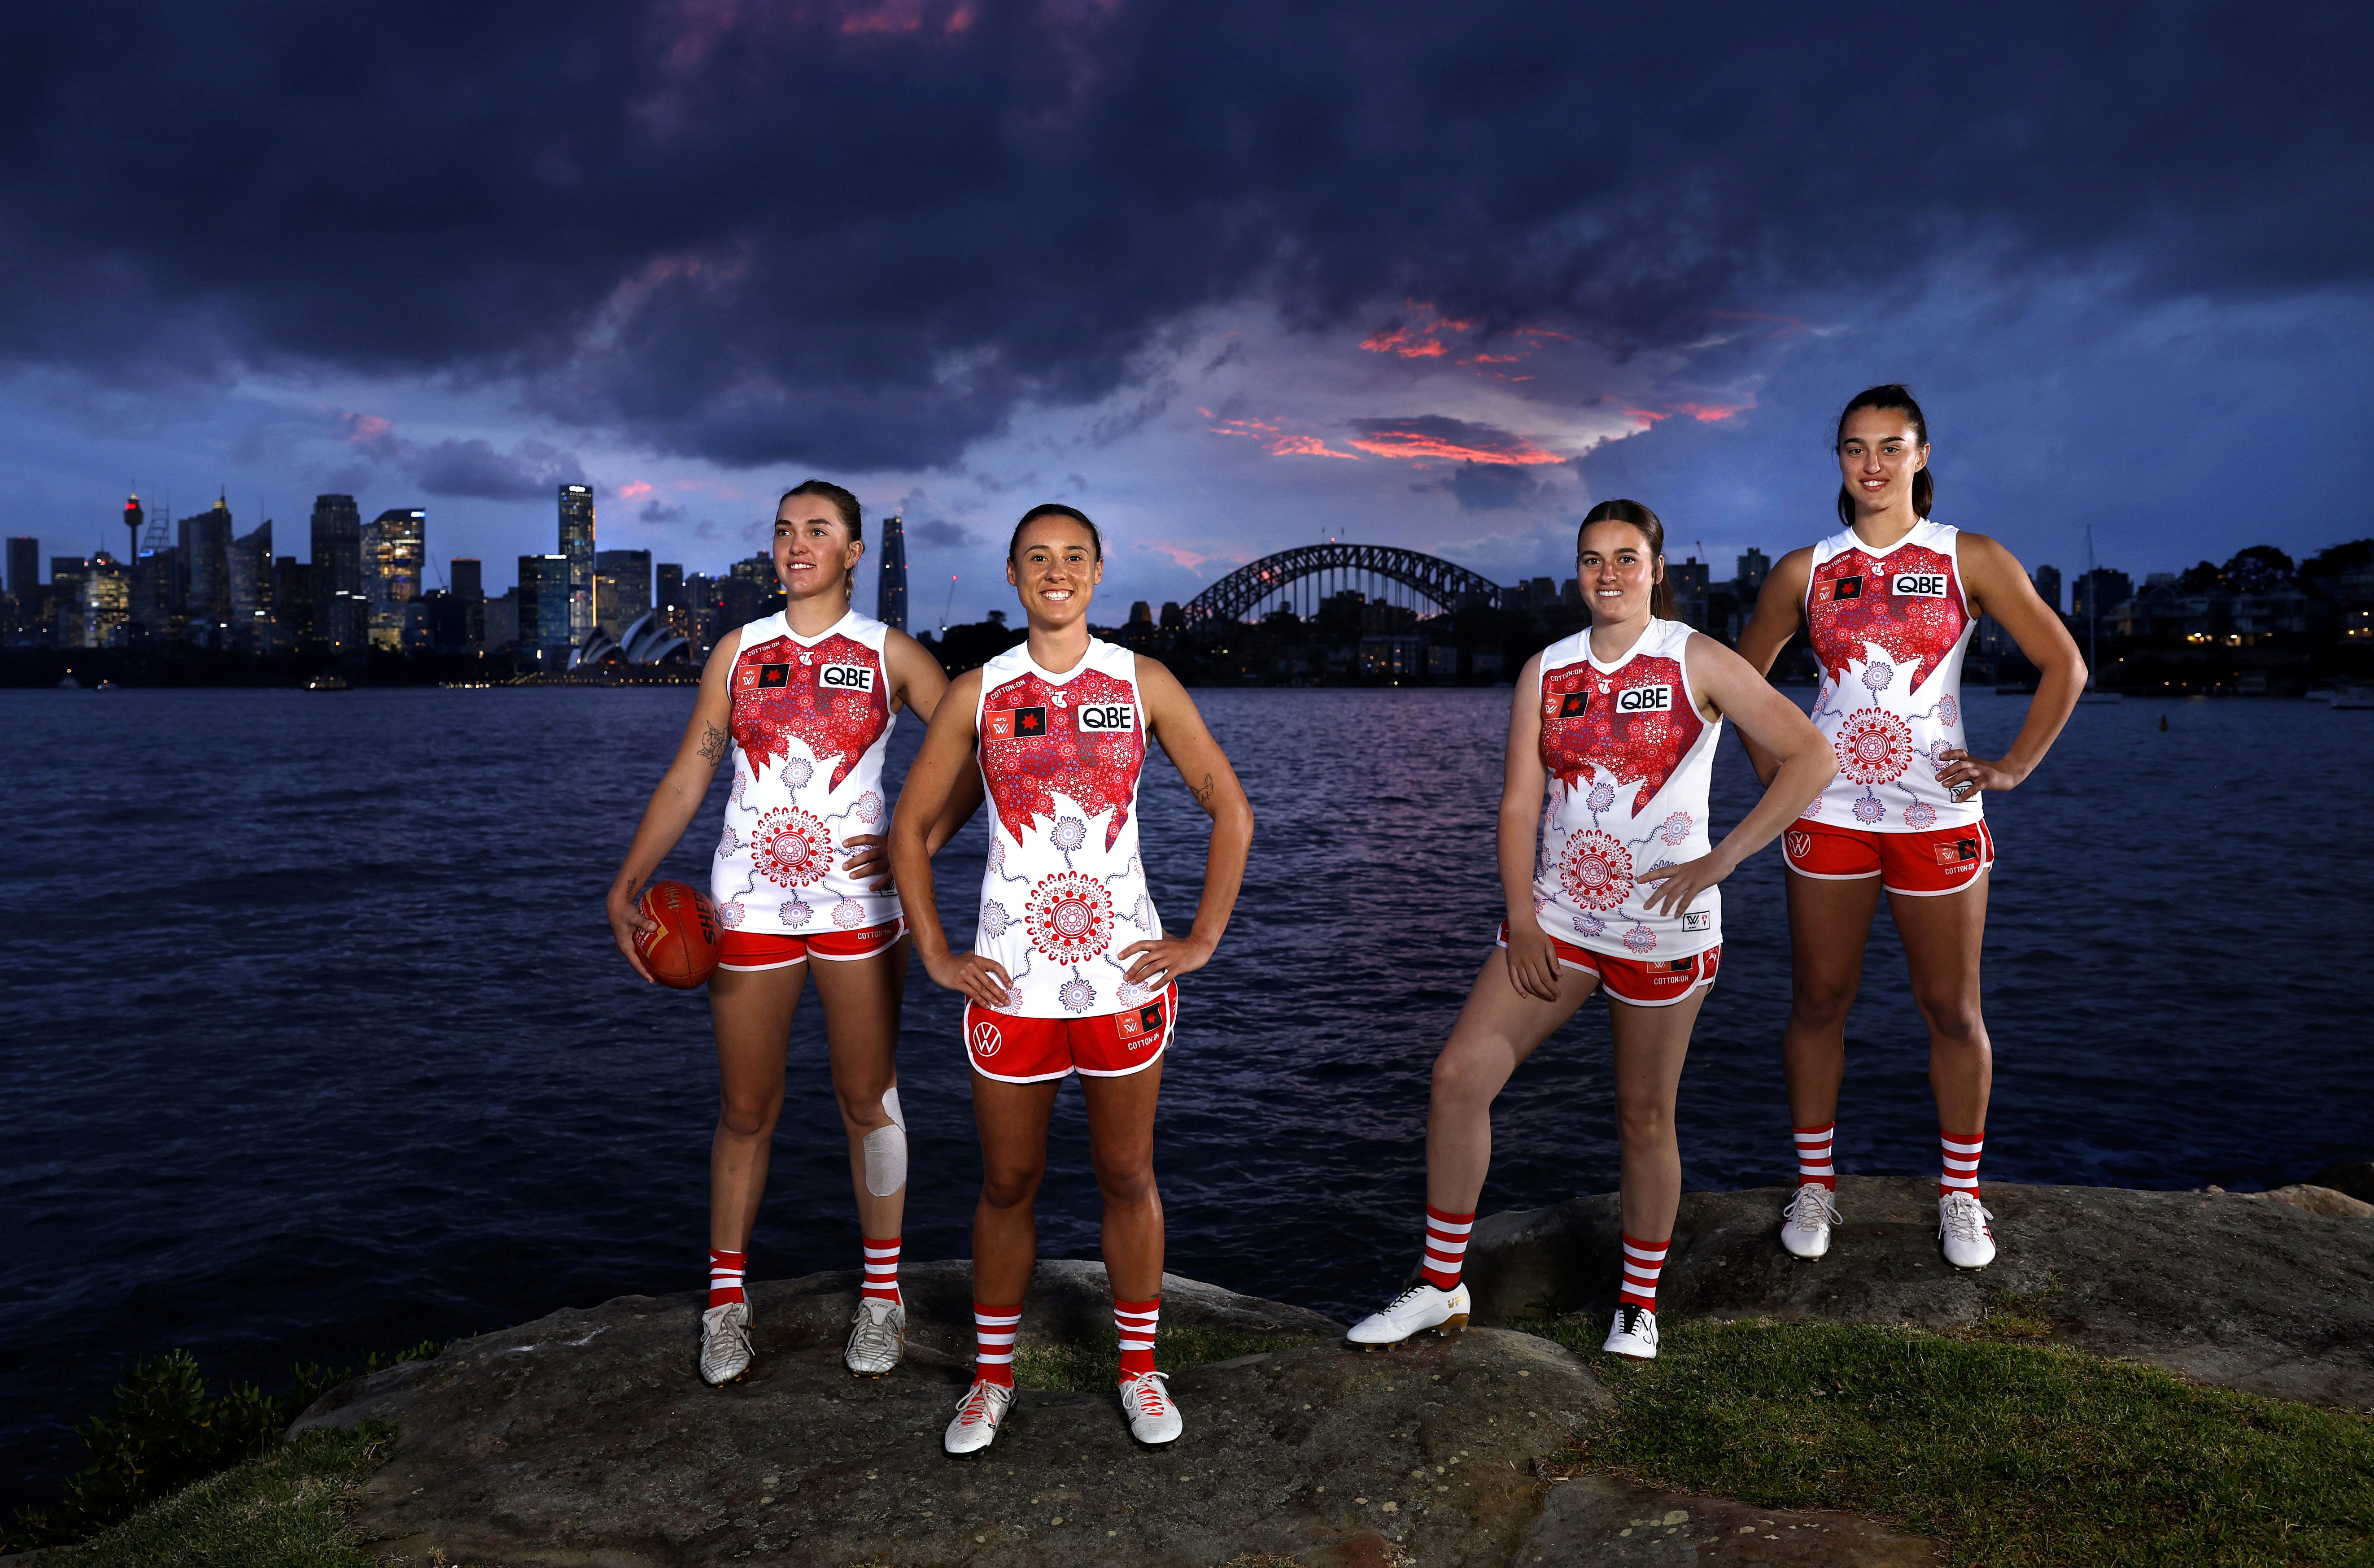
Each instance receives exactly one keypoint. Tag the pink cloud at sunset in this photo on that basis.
(633, 490)
(1179, 555)
(1275, 440)
(1417, 339)
(1434, 438)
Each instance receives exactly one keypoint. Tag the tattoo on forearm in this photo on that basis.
(1204, 796)
(714, 742)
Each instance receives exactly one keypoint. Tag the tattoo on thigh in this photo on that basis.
(714, 742)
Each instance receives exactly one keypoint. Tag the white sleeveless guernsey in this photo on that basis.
(1628, 761)
(1890, 628)
(1065, 891)
(811, 722)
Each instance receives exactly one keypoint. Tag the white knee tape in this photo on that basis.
(886, 1150)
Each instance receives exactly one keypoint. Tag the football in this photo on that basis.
(683, 952)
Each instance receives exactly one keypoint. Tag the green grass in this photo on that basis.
(1082, 1369)
(286, 1509)
(2012, 1452)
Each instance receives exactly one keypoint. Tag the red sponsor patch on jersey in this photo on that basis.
(832, 721)
(1031, 762)
(1634, 724)
(1854, 606)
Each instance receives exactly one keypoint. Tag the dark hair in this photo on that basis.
(1661, 597)
(1890, 396)
(844, 502)
(1055, 509)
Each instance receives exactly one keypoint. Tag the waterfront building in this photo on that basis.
(2097, 592)
(577, 548)
(543, 601)
(294, 604)
(250, 574)
(622, 590)
(2047, 587)
(890, 582)
(1747, 581)
(66, 576)
(668, 598)
(1174, 618)
(206, 558)
(470, 593)
(337, 547)
(394, 547)
(1690, 580)
(24, 566)
(702, 613)
(502, 621)
(107, 601)
(1141, 614)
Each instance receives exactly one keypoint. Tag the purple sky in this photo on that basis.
(1229, 278)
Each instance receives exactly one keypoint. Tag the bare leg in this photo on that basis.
(861, 998)
(1013, 1122)
(751, 1012)
(1499, 1028)
(1942, 938)
(1830, 922)
(1120, 1147)
(1651, 1043)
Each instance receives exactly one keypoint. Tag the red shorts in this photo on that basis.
(1643, 982)
(771, 950)
(1032, 1050)
(1944, 860)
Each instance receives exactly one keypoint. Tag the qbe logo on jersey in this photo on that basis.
(1106, 717)
(846, 677)
(1917, 585)
(1645, 699)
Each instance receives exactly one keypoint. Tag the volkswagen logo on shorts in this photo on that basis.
(985, 1038)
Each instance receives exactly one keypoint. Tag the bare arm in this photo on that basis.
(1779, 615)
(934, 786)
(1999, 587)
(682, 788)
(1185, 738)
(917, 683)
(1532, 961)
(1773, 727)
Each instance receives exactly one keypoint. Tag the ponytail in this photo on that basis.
(1892, 396)
(1661, 595)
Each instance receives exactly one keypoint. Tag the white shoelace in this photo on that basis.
(977, 1407)
(1825, 1206)
(1149, 1396)
(1409, 1295)
(723, 1320)
(1963, 1218)
(874, 1337)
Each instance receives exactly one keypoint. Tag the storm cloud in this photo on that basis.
(867, 234)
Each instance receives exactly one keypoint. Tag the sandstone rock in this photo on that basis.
(2323, 1200)
(586, 1439)
(1604, 1521)
(2259, 1296)
(2354, 1178)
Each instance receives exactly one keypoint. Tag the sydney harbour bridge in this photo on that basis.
(1301, 578)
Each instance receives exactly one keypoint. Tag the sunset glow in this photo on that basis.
(1275, 440)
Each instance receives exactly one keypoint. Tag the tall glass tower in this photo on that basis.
(890, 587)
(577, 548)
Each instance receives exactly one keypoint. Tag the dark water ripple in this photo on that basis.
(312, 1042)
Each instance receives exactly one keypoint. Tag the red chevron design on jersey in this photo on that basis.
(1914, 630)
(1644, 745)
(1025, 771)
(769, 709)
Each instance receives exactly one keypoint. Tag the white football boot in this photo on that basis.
(1805, 1222)
(1634, 1333)
(1962, 1228)
(978, 1413)
(1415, 1309)
(876, 1335)
(724, 1342)
(1153, 1414)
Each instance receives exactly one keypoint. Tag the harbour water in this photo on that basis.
(313, 1041)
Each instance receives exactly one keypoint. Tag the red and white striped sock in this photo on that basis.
(725, 1276)
(1961, 1172)
(1813, 1155)
(1134, 1321)
(993, 1331)
(1446, 1247)
(881, 1270)
(1643, 1262)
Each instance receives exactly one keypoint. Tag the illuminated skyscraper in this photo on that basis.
(669, 597)
(206, 556)
(577, 548)
(622, 588)
(543, 601)
(107, 601)
(393, 548)
(890, 586)
(251, 586)
(67, 574)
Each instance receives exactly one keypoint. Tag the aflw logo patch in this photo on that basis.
(1139, 1026)
(846, 677)
(1573, 705)
(1917, 585)
(1645, 699)
(1016, 723)
(1838, 587)
(1105, 718)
